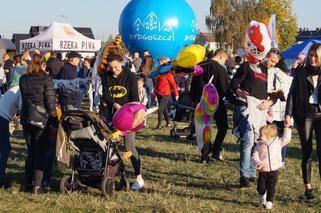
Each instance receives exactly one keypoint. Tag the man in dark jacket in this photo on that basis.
(214, 66)
(54, 65)
(68, 91)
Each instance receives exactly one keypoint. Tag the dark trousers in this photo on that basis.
(267, 183)
(36, 145)
(135, 159)
(220, 118)
(162, 110)
(305, 128)
(4, 147)
(49, 157)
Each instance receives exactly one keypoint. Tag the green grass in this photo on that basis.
(175, 182)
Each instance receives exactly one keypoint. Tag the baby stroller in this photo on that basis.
(183, 113)
(96, 160)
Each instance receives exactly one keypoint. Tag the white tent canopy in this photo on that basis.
(61, 37)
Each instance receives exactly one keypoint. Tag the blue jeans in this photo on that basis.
(149, 89)
(4, 147)
(247, 167)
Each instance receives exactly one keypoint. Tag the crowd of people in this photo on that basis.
(279, 95)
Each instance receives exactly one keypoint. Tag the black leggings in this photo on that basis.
(36, 145)
(162, 109)
(305, 128)
(135, 159)
(267, 183)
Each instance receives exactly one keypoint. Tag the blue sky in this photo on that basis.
(102, 15)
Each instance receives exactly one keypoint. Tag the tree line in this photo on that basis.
(229, 19)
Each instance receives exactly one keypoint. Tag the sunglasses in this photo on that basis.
(275, 51)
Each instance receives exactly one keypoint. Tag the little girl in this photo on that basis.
(141, 91)
(268, 161)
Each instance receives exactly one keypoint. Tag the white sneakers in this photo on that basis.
(138, 184)
(266, 205)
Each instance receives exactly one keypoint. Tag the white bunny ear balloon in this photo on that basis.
(257, 42)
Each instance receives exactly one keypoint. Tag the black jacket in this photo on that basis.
(37, 89)
(120, 90)
(297, 104)
(67, 72)
(248, 80)
(220, 80)
(54, 67)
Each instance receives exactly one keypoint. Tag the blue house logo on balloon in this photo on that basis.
(162, 29)
(155, 31)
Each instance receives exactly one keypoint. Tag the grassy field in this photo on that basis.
(175, 182)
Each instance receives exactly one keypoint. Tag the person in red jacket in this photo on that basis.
(163, 91)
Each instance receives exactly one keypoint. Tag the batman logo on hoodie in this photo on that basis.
(118, 91)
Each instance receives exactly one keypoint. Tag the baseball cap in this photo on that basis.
(74, 54)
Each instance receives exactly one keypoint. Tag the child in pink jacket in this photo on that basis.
(268, 161)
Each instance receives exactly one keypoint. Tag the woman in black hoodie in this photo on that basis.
(120, 87)
(304, 104)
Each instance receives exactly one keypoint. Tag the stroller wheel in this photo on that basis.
(66, 185)
(107, 186)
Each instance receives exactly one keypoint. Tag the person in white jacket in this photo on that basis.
(279, 83)
(267, 159)
(10, 103)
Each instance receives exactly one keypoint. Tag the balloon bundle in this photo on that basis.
(185, 63)
(203, 115)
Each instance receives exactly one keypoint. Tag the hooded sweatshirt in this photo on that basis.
(120, 90)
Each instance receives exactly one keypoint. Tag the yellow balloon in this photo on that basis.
(190, 56)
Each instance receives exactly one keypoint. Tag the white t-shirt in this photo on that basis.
(314, 96)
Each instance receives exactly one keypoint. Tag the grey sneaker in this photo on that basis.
(263, 199)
